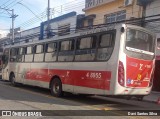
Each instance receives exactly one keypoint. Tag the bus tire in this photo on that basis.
(12, 79)
(56, 88)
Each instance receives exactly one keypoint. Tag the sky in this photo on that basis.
(32, 12)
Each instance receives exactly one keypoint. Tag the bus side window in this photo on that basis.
(5, 58)
(38, 53)
(51, 52)
(85, 48)
(105, 46)
(13, 53)
(29, 54)
(20, 55)
(158, 43)
(66, 50)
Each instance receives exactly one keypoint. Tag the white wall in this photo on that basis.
(30, 31)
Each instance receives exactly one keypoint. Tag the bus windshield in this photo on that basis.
(139, 41)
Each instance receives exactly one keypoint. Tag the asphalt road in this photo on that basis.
(34, 98)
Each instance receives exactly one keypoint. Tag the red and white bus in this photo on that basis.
(111, 60)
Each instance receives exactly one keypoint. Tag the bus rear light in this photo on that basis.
(121, 74)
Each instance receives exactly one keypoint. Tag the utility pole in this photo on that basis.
(48, 11)
(143, 15)
(13, 25)
(48, 20)
(13, 16)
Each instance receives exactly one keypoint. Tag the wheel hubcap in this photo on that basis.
(13, 80)
(56, 88)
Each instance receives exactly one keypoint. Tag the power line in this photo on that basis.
(5, 16)
(29, 10)
(95, 20)
(52, 14)
(4, 3)
(7, 6)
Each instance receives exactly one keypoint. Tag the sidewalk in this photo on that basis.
(153, 97)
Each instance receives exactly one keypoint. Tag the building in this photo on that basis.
(109, 11)
(61, 25)
(21, 36)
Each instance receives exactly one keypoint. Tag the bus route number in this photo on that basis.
(94, 75)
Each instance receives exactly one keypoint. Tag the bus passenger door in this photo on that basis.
(5, 65)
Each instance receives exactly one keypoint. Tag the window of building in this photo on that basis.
(63, 29)
(113, 17)
(121, 15)
(90, 22)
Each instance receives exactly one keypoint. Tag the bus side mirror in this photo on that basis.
(122, 29)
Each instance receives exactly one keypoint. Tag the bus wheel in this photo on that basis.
(12, 79)
(56, 88)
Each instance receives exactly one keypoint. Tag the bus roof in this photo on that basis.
(78, 33)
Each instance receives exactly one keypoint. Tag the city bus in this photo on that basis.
(113, 60)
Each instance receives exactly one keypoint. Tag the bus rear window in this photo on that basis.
(139, 40)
